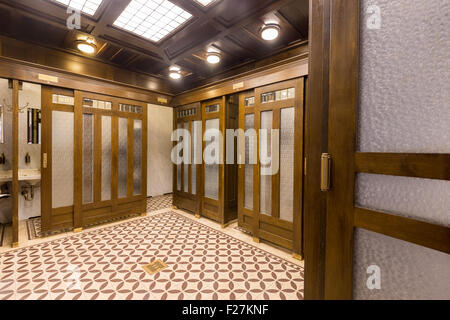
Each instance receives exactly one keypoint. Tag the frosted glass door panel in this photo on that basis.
(250, 141)
(137, 165)
(403, 108)
(123, 157)
(266, 180)
(212, 170)
(186, 166)
(62, 159)
(287, 164)
(88, 158)
(106, 158)
(179, 165)
(407, 271)
(196, 133)
(421, 199)
(404, 87)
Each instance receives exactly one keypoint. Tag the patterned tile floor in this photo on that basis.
(106, 263)
(153, 204)
(159, 202)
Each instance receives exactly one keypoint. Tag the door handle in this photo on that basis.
(325, 172)
(44, 160)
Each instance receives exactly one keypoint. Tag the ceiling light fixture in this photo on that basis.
(175, 73)
(270, 31)
(213, 57)
(86, 46)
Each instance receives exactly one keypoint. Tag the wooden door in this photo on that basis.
(270, 206)
(94, 155)
(213, 189)
(368, 240)
(186, 177)
(111, 156)
(58, 159)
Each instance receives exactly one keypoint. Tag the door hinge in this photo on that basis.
(325, 172)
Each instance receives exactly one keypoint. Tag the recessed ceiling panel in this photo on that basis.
(86, 6)
(152, 19)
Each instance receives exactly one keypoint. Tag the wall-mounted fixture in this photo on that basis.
(2, 159)
(175, 72)
(213, 57)
(86, 45)
(28, 192)
(27, 158)
(270, 31)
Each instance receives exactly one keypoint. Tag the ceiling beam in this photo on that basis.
(262, 10)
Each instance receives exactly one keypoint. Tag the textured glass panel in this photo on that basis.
(249, 151)
(123, 157)
(265, 195)
(106, 158)
(404, 94)
(408, 271)
(186, 166)
(88, 158)
(196, 126)
(287, 164)
(137, 165)
(404, 87)
(422, 199)
(62, 159)
(212, 171)
(179, 166)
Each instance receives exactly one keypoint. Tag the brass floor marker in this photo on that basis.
(155, 267)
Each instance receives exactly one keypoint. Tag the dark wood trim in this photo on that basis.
(15, 162)
(429, 235)
(26, 71)
(78, 161)
(289, 71)
(427, 166)
(316, 143)
(344, 72)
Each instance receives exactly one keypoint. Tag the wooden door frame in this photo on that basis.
(221, 116)
(331, 217)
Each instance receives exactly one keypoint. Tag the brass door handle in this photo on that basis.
(44, 160)
(325, 172)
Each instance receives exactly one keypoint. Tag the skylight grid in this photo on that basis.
(205, 3)
(152, 19)
(86, 6)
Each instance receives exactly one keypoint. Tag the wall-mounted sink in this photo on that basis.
(31, 176)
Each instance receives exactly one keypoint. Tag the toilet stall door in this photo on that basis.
(271, 203)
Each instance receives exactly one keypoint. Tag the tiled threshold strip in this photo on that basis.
(107, 263)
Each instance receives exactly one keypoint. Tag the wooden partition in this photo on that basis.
(187, 177)
(219, 180)
(94, 158)
(270, 202)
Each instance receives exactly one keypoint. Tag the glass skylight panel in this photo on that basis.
(205, 3)
(152, 19)
(86, 6)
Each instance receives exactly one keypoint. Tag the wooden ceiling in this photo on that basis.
(230, 26)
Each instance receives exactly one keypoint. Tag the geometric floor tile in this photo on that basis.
(107, 264)
(153, 204)
(159, 202)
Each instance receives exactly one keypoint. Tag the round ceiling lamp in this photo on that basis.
(213, 57)
(175, 73)
(270, 31)
(86, 46)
